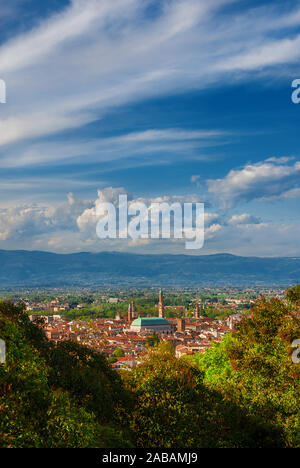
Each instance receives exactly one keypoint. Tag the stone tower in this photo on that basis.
(161, 306)
(131, 311)
(197, 314)
(181, 325)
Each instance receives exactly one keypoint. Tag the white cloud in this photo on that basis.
(244, 218)
(262, 240)
(195, 179)
(263, 180)
(87, 220)
(293, 193)
(273, 53)
(26, 221)
(76, 20)
(281, 160)
(93, 56)
(168, 135)
(71, 227)
(172, 142)
(211, 231)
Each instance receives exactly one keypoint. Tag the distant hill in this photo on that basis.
(45, 269)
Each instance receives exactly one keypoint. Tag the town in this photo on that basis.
(127, 323)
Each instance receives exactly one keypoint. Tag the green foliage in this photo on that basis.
(54, 396)
(214, 362)
(175, 409)
(293, 294)
(242, 392)
(119, 352)
(253, 368)
(112, 360)
(152, 340)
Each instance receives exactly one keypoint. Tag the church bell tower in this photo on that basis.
(131, 311)
(197, 313)
(161, 306)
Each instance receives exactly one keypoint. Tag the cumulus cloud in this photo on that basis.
(87, 220)
(71, 227)
(94, 56)
(262, 240)
(211, 231)
(26, 221)
(263, 180)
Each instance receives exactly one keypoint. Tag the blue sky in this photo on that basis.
(168, 99)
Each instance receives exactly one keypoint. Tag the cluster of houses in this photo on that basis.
(54, 306)
(188, 335)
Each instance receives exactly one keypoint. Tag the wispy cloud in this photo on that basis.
(85, 62)
(173, 143)
(94, 56)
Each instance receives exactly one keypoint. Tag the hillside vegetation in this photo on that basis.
(243, 392)
(46, 269)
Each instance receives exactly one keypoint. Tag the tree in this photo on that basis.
(119, 352)
(55, 396)
(152, 340)
(293, 294)
(173, 408)
(214, 362)
(254, 369)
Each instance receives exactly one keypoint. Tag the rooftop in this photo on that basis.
(150, 321)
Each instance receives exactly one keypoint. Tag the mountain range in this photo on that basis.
(22, 268)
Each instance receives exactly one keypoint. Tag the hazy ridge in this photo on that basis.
(34, 268)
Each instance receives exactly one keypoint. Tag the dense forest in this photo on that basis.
(243, 392)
